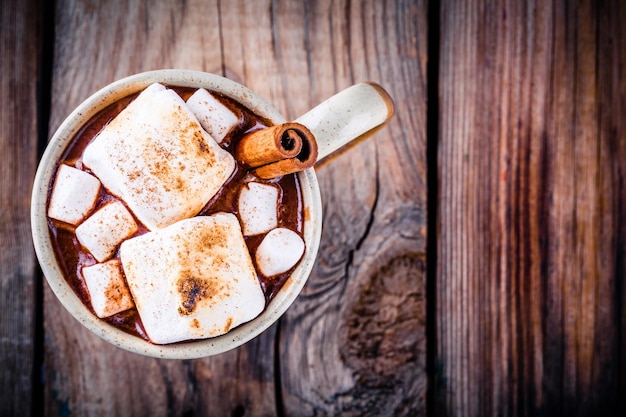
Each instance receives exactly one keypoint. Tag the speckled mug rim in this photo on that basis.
(45, 252)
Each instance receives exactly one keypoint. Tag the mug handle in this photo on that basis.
(347, 118)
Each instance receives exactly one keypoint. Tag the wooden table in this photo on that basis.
(473, 258)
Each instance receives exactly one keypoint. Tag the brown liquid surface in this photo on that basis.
(73, 257)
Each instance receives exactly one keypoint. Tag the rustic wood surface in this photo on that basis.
(20, 49)
(530, 251)
(474, 250)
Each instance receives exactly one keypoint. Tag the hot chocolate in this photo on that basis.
(148, 180)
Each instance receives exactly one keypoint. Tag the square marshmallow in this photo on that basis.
(192, 280)
(217, 119)
(258, 208)
(73, 196)
(107, 289)
(105, 229)
(156, 157)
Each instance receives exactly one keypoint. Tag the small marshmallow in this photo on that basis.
(107, 289)
(217, 119)
(105, 229)
(73, 196)
(279, 251)
(258, 208)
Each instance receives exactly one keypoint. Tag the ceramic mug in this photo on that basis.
(335, 123)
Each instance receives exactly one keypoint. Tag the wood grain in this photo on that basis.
(20, 47)
(354, 342)
(611, 133)
(531, 237)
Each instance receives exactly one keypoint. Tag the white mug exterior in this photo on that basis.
(43, 243)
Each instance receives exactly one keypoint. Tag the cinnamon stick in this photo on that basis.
(271, 144)
(305, 159)
(278, 150)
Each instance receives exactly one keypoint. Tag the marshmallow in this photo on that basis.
(73, 196)
(217, 119)
(105, 229)
(258, 208)
(107, 289)
(279, 251)
(155, 156)
(192, 280)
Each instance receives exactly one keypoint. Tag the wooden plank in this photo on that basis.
(612, 132)
(20, 49)
(531, 242)
(96, 44)
(354, 341)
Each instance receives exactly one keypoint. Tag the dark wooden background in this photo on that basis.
(473, 256)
